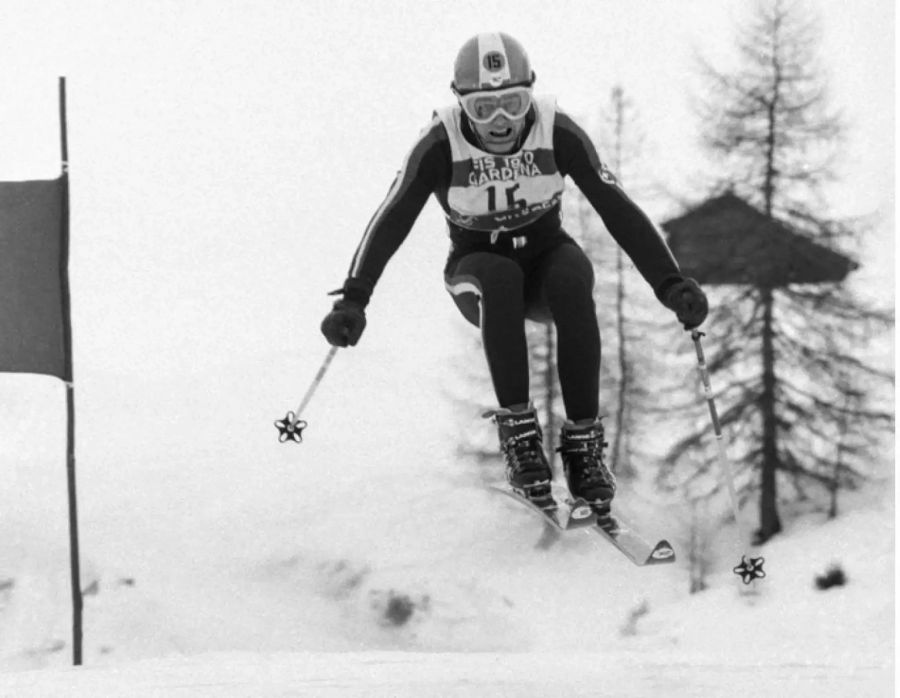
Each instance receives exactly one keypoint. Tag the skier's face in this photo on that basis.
(500, 134)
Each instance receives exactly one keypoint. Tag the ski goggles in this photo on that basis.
(482, 107)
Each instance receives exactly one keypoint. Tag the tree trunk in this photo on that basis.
(769, 521)
(835, 484)
(620, 462)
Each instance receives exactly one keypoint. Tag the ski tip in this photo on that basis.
(663, 553)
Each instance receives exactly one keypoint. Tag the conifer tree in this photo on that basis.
(804, 409)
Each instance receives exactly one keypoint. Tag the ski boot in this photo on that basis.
(587, 476)
(527, 469)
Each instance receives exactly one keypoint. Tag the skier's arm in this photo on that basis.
(426, 162)
(626, 222)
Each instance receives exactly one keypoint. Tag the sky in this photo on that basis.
(227, 154)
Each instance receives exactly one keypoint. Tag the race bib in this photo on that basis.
(491, 192)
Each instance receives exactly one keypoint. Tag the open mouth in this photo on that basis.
(501, 134)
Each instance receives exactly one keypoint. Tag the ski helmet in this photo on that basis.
(491, 62)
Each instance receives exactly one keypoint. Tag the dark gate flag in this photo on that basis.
(33, 277)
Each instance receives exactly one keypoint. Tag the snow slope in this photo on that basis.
(239, 566)
(625, 674)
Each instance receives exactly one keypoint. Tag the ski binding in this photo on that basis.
(569, 513)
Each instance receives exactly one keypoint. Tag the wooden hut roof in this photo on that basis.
(726, 240)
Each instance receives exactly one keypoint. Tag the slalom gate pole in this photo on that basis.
(748, 569)
(74, 545)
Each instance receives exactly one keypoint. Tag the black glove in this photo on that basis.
(344, 325)
(687, 299)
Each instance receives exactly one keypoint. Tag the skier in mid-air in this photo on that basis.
(495, 161)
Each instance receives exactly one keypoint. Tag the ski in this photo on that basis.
(568, 513)
(564, 514)
(632, 544)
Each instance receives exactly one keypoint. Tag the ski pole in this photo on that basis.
(291, 427)
(750, 569)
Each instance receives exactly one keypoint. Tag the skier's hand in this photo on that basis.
(344, 325)
(688, 301)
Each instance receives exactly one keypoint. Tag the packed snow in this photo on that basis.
(371, 560)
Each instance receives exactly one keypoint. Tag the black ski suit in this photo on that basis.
(510, 263)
